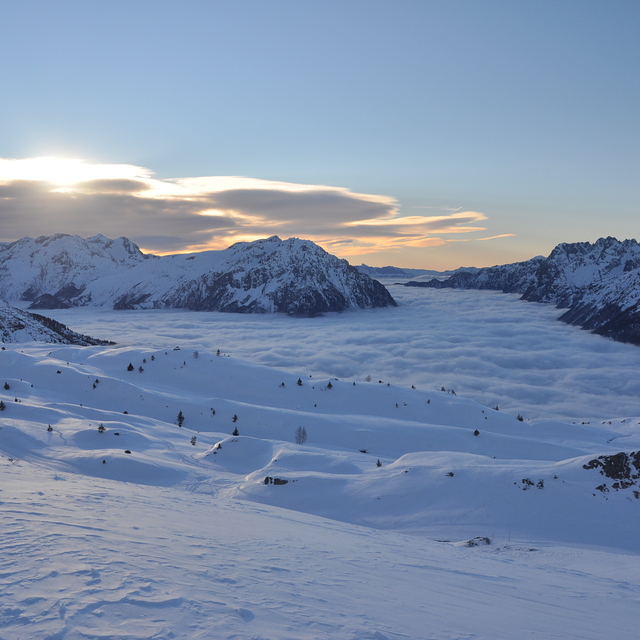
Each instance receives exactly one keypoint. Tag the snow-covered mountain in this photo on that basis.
(22, 326)
(293, 276)
(599, 283)
(32, 267)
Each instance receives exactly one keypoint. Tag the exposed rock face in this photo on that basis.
(599, 283)
(294, 276)
(621, 467)
(22, 326)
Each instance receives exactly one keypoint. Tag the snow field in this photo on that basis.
(175, 539)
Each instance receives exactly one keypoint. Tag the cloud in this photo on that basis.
(41, 196)
(488, 346)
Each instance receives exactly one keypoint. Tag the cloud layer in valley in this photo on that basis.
(42, 196)
(488, 346)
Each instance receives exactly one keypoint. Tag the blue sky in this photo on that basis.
(365, 125)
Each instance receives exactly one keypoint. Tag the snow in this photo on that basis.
(46, 264)
(269, 275)
(487, 346)
(146, 535)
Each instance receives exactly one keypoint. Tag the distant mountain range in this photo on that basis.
(22, 326)
(293, 276)
(401, 272)
(598, 283)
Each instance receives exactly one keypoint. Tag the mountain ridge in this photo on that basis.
(20, 326)
(293, 276)
(599, 284)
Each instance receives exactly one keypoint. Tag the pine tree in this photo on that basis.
(180, 418)
(130, 367)
(235, 418)
(301, 435)
(6, 386)
(299, 383)
(3, 406)
(235, 432)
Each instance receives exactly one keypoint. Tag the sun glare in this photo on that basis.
(66, 171)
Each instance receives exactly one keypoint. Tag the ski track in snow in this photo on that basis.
(181, 540)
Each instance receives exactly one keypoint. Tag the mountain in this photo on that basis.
(599, 283)
(22, 326)
(293, 276)
(32, 267)
(401, 272)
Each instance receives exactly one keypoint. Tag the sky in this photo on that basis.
(431, 134)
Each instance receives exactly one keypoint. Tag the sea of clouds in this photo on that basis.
(488, 346)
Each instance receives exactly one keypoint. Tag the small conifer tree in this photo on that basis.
(101, 428)
(130, 367)
(3, 406)
(329, 386)
(235, 418)
(299, 383)
(235, 432)
(6, 386)
(180, 418)
(301, 435)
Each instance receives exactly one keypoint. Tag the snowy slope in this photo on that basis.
(32, 267)
(151, 529)
(20, 326)
(599, 283)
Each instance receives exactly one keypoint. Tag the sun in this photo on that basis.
(65, 172)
